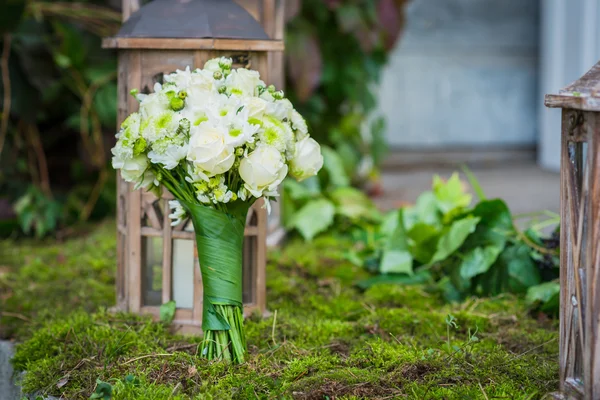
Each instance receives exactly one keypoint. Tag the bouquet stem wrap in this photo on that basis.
(220, 239)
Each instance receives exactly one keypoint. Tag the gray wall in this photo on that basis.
(570, 47)
(464, 74)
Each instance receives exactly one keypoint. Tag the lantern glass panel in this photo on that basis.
(183, 271)
(152, 255)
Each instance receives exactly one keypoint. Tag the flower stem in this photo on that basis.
(227, 345)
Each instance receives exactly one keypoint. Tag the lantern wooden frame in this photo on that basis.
(140, 215)
(579, 236)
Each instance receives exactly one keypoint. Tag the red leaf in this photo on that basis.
(304, 63)
(389, 15)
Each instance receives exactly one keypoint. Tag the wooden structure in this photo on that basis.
(580, 236)
(156, 262)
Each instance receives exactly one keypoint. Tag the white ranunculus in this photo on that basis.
(263, 170)
(307, 159)
(153, 104)
(299, 124)
(208, 150)
(181, 79)
(132, 169)
(171, 157)
(242, 82)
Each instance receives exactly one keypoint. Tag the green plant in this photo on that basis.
(58, 104)
(326, 202)
(335, 53)
(464, 251)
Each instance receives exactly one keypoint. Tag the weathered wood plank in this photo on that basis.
(192, 44)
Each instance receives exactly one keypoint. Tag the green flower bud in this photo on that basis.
(134, 92)
(177, 104)
(139, 146)
(239, 152)
(278, 95)
(182, 94)
(159, 177)
(222, 89)
(213, 182)
(218, 75)
(271, 88)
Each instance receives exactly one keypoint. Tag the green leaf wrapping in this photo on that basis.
(219, 239)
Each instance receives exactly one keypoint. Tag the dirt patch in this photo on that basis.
(329, 389)
(416, 372)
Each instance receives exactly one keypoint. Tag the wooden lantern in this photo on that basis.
(580, 236)
(156, 262)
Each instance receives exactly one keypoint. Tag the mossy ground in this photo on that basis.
(326, 340)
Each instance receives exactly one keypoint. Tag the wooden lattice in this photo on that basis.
(580, 234)
(147, 243)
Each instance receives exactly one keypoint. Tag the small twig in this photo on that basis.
(526, 352)
(147, 356)
(6, 88)
(15, 315)
(38, 148)
(182, 347)
(483, 391)
(273, 328)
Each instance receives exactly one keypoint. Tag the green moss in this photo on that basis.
(323, 339)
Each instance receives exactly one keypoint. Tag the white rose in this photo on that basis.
(299, 124)
(209, 151)
(280, 109)
(201, 81)
(256, 107)
(242, 82)
(132, 169)
(307, 160)
(263, 170)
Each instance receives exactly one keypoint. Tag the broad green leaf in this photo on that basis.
(315, 217)
(425, 210)
(478, 260)
(354, 204)
(389, 223)
(542, 292)
(450, 194)
(396, 262)
(548, 294)
(396, 256)
(514, 271)
(167, 312)
(495, 226)
(298, 190)
(419, 277)
(334, 166)
(454, 237)
(523, 272)
(422, 241)
(103, 390)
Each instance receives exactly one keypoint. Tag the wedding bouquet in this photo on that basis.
(218, 139)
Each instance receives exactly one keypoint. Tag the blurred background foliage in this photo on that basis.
(58, 114)
(58, 100)
(335, 88)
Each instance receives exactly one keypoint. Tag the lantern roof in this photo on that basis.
(583, 94)
(192, 24)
